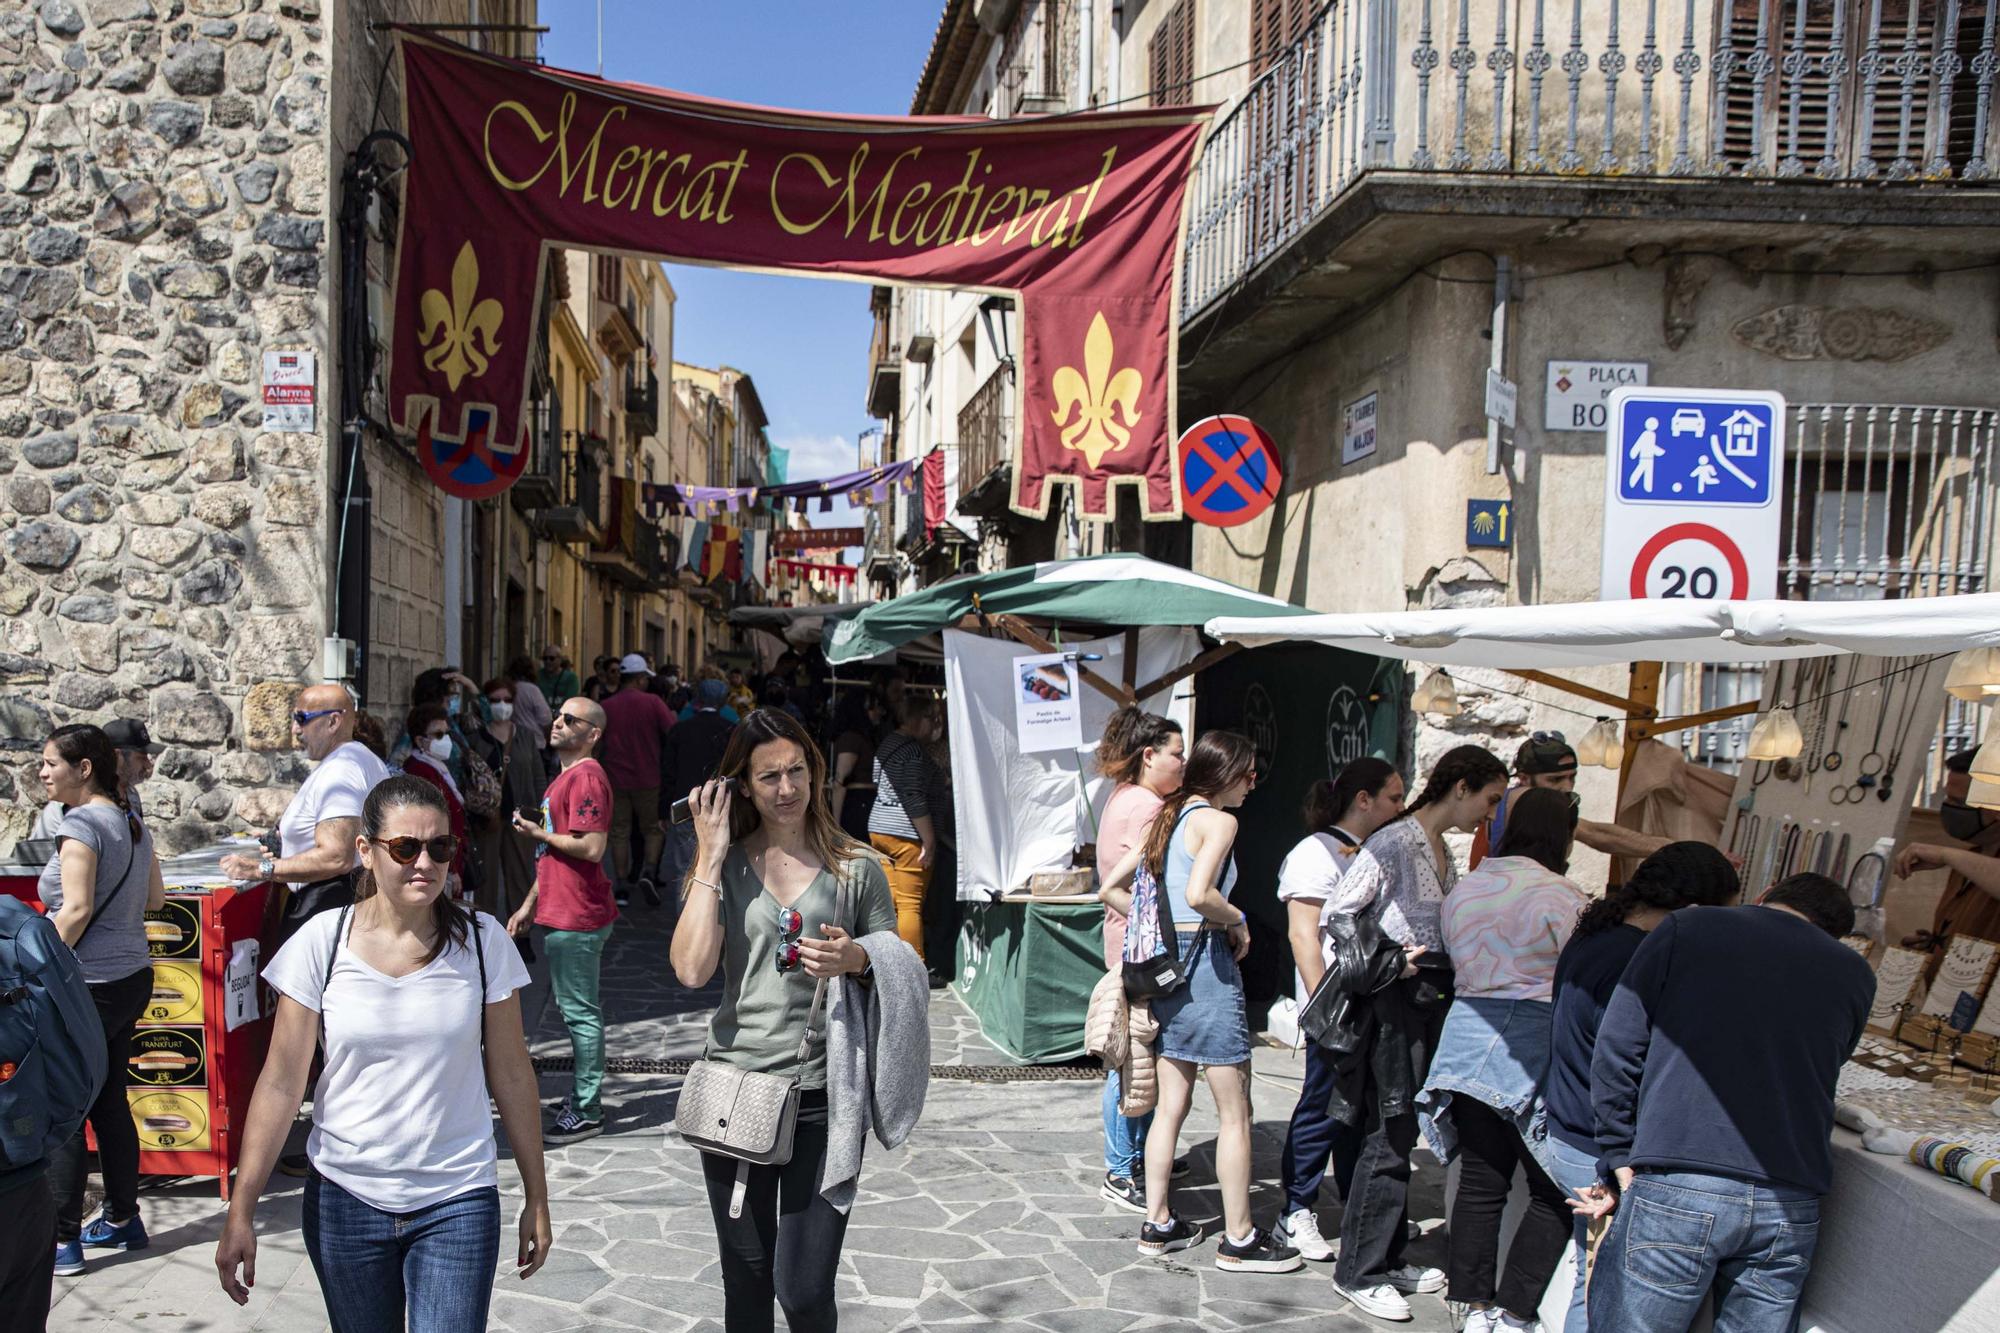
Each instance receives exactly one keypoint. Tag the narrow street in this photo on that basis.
(988, 1218)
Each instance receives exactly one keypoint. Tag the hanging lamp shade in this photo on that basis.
(1776, 736)
(1986, 763)
(1601, 745)
(1437, 696)
(1983, 795)
(1974, 674)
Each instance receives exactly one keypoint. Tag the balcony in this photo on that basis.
(577, 515)
(986, 445)
(885, 368)
(628, 551)
(642, 404)
(1518, 106)
(1038, 59)
(540, 481)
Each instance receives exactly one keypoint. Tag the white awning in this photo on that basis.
(1577, 634)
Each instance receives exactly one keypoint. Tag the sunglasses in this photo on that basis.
(302, 716)
(573, 719)
(790, 924)
(1547, 737)
(403, 851)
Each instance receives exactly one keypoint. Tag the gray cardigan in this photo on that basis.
(878, 1060)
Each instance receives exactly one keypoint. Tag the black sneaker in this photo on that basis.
(649, 890)
(1259, 1254)
(295, 1164)
(621, 895)
(1126, 1192)
(571, 1128)
(1181, 1168)
(1175, 1235)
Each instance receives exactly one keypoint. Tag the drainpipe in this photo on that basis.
(1115, 57)
(1086, 57)
(1503, 277)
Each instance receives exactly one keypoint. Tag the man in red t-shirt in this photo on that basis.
(572, 901)
(636, 721)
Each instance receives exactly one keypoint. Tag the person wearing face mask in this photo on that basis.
(1971, 901)
(1398, 882)
(429, 758)
(514, 752)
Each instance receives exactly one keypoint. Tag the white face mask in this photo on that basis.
(439, 746)
(501, 711)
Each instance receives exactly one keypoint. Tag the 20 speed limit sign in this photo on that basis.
(1691, 493)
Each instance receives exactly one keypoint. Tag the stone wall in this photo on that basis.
(164, 219)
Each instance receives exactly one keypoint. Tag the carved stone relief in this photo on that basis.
(1840, 333)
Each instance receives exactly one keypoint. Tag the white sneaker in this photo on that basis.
(1383, 1301)
(1410, 1278)
(1503, 1322)
(1481, 1321)
(1300, 1230)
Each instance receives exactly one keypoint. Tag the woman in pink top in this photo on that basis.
(1144, 754)
(1504, 926)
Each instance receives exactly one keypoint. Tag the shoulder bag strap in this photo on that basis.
(479, 949)
(332, 956)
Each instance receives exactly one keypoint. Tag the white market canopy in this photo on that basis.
(1580, 634)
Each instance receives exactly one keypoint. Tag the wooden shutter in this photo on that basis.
(1275, 25)
(1170, 57)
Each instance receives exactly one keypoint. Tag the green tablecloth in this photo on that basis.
(1027, 970)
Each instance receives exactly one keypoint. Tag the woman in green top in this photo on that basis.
(760, 900)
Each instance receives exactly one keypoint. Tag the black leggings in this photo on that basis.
(1489, 1150)
(786, 1245)
(119, 1004)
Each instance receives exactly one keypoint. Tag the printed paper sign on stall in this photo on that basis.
(1047, 715)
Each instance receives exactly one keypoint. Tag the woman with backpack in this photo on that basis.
(1396, 889)
(416, 1002)
(1184, 863)
(1144, 754)
(98, 888)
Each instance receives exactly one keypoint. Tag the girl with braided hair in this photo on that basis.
(1608, 932)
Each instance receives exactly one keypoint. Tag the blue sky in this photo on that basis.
(804, 340)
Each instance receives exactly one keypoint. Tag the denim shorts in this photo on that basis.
(1203, 1022)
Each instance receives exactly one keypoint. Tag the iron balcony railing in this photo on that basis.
(985, 429)
(1038, 60)
(1837, 90)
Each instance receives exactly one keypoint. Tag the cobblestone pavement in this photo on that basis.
(988, 1218)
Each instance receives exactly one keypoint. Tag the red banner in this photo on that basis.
(1077, 217)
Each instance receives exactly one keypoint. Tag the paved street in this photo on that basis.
(989, 1217)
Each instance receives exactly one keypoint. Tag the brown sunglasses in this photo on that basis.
(403, 851)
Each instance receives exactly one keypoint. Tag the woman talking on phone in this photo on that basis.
(417, 1004)
(772, 878)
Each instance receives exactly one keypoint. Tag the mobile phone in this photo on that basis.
(681, 812)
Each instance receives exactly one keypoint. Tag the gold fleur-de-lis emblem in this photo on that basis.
(1094, 394)
(460, 324)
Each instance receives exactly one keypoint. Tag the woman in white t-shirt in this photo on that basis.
(416, 1003)
(1341, 813)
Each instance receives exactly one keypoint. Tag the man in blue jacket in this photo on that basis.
(1712, 1090)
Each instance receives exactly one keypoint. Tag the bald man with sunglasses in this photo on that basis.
(572, 902)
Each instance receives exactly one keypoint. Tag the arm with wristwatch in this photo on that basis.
(331, 854)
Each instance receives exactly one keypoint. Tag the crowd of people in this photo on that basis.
(1654, 1066)
(1662, 1056)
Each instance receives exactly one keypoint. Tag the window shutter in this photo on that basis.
(1170, 57)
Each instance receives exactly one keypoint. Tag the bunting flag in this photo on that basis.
(870, 486)
(722, 554)
(935, 505)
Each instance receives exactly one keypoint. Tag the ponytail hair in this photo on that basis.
(1219, 760)
(79, 742)
(1680, 874)
(1477, 768)
(452, 923)
(1329, 799)
(1127, 736)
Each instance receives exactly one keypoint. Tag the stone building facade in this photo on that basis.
(168, 176)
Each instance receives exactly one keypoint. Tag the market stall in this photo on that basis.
(1901, 1246)
(203, 1035)
(1036, 660)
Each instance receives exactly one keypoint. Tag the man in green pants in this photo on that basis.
(572, 901)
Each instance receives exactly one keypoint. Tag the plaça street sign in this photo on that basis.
(1691, 482)
(1229, 471)
(1577, 391)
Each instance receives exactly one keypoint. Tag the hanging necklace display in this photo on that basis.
(1914, 696)
(1832, 760)
(1864, 880)
(1864, 775)
(1821, 703)
(1839, 869)
(1791, 770)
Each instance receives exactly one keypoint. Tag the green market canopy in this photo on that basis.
(1107, 590)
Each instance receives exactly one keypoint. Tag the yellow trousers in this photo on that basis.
(909, 878)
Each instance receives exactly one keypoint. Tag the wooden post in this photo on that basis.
(1645, 695)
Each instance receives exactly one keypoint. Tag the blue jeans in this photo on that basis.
(1676, 1236)
(1124, 1136)
(1574, 1169)
(433, 1267)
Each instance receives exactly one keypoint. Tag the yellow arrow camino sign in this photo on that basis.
(1489, 523)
